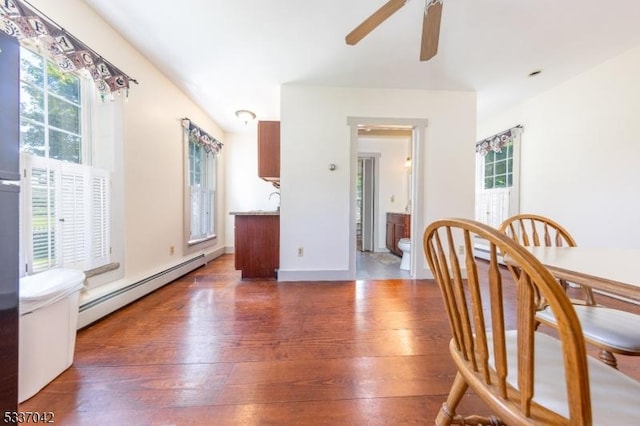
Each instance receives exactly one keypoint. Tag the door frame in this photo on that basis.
(418, 145)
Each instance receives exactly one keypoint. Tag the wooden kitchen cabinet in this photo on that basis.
(269, 151)
(257, 244)
(398, 226)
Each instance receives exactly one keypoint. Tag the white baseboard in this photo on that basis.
(96, 308)
(208, 257)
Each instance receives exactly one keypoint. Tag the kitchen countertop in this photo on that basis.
(257, 213)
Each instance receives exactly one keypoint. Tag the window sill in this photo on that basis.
(102, 269)
(193, 243)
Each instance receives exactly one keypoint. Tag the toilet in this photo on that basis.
(47, 330)
(405, 245)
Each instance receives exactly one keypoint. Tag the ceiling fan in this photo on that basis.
(430, 25)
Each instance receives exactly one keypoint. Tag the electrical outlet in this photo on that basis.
(460, 249)
(172, 250)
(300, 251)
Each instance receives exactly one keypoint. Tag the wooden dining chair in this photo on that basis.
(522, 374)
(614, 331)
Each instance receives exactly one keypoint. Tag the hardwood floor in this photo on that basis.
(212, 349)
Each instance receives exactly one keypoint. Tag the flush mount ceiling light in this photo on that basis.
(245, 115)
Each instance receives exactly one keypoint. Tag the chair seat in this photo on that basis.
(615, 397)
(612, 329)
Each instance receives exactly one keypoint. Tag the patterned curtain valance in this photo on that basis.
(200, 137)
(497, 142)
(23, 21)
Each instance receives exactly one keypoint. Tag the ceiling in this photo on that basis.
(234, 54)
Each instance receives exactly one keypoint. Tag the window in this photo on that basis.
(51, 112)
(66, 201)
(498, 168)
(202, 192)
(497, 177)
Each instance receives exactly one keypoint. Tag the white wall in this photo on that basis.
(580, 151)
(153, 149)
(393, 177)
(315, 210)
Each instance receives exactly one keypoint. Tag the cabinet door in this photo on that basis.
(269, 150)
(390, 237)
(400, 232)
(257, 245)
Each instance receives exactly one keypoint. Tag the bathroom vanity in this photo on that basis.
(257, 243)
(398, 226)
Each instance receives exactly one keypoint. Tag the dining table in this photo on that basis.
(610, 270)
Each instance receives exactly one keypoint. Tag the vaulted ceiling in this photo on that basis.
(235, 54)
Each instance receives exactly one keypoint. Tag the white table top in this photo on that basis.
(612, 270)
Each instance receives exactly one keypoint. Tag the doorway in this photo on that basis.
(382, 191)
(415, 193)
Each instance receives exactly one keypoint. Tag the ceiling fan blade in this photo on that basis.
(378, 17)
(430, 31)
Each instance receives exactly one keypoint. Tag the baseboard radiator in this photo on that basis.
(93, 310)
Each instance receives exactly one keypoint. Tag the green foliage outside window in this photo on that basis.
(498, 168)
(50, 111)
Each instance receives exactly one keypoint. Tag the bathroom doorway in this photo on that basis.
(382, 189)
(407, 198)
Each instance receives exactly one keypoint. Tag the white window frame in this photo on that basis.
(84, 105)
(200, 204)
(91, 188)
(494, 205)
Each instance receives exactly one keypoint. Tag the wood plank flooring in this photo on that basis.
(210, 349)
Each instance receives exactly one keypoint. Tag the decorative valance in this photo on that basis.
(496, 142)
(200, 137)
(23, 21)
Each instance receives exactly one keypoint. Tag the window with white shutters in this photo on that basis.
(497, 181)
(66, 212)
(200, 153)
(497, 177)
(202, 185)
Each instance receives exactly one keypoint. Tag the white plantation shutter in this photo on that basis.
(202, 220)
(196, 211)
(42, 218)
(209, 214)
(492, 206)
(73, 216)
(100, 208)
(67, 215)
